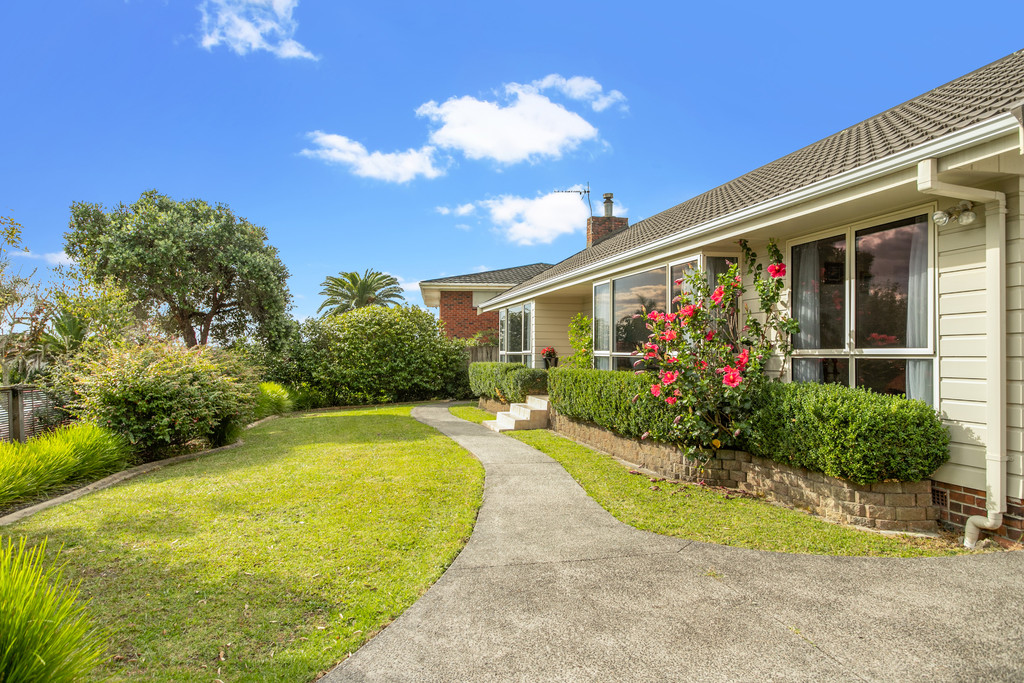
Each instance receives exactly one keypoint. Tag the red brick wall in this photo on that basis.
(959, 502)
(600, 227)
(460, 318)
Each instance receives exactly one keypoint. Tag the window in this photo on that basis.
(514, 334)
(620, 306)
(865, 317)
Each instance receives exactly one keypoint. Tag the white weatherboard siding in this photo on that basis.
(962, 312)
(551, 325)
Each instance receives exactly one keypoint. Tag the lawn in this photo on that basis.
(710, 515)
(274, 560)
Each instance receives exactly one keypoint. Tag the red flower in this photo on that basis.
(654, 315)
(670, 317)
(656, 390)
(671, 400)
(731, 378)
(669, 377)
(710, 335)
(743, 359)
(688, 311)
(717, 295)
(777, 269)
(668, 335)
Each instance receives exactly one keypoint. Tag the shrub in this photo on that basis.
(375, 354)
(272, 399)
(305, 397)
(851, 434)
(581, 338)
(159, 395)
(80, 452)
(609, 400)
(44, 634)
(508, 382)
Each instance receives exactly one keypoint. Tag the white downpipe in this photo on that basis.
(995, 340)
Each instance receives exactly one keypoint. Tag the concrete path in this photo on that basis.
(553, 588)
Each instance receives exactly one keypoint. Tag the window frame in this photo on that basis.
(699, 258)
(526, 310)
(851, 352)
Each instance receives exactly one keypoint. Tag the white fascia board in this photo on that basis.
(948, 144)
(433, 292)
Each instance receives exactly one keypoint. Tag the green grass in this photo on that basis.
(716, 516)
(471, 413)
(274, 560)
(76, 453)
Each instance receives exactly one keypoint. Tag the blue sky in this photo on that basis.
(426, 139)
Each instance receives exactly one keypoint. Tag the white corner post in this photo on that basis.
(995, 340)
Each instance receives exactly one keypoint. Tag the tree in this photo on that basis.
(209, 274)
(349, 291)
(25, 308)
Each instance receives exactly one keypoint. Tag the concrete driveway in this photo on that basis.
(553, 588)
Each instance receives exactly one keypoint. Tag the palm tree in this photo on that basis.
(348, 291)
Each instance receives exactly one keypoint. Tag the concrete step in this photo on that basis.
(539, 402)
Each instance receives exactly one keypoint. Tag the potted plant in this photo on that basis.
(550, 357)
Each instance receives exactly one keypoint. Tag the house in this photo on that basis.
(903, 240)
(460, 296)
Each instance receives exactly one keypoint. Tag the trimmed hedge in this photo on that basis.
(852, 434)
(606, 399)
(510, 382)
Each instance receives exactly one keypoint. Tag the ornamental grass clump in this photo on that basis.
(704, 365)
(45, 634)
(76, 453)
(272, 399)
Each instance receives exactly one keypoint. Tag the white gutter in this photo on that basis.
(995, 340)
(972, 135)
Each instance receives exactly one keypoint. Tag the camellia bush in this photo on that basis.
(707, 358)
(375, 354)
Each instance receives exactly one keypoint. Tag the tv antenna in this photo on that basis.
(582, 193)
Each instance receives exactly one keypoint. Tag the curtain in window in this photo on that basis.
(807, 309)
(919, 371)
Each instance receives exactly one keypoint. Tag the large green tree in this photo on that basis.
(210, 275)
(348, 291)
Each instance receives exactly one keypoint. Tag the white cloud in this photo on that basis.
(460, 210)
(463, 226)
(541, 220)
(57, 258)
(393, 167)
(481, 269)
(529, 128)
(581, 88)
(250, 25)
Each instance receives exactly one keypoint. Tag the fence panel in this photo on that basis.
(483, 354)
(25, 411)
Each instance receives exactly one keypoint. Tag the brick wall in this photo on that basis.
(602, 227)
(460, 318)
(888, 506)
(957, 503)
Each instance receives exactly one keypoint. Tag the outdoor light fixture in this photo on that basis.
(961, 213)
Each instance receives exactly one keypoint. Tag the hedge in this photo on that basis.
(852, 434)
(509, 382)
(606, 399)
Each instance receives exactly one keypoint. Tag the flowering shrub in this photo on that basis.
(548, 352)
(706, 366)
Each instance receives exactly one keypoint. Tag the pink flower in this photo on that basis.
(717, 295)
(668, 335)
(677, 393)
(656, 390)
(688, 311)
(679, 281)
(654, 315)
(670, 317)
(671, 400)
(743, 359)
(731, 376)
(669, 377)
(703, 365)
(777, 269)
(710, 335)
(737, 281)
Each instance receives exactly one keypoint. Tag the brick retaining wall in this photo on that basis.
(957, 503)
(491, 405)
(889, 506)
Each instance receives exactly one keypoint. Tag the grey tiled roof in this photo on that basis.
(976, 97)
(504, 276)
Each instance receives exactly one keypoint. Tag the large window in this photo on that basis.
(865, 317)
(621, 304)
(514, 334)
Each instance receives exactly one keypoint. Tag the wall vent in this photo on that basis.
(940, 498)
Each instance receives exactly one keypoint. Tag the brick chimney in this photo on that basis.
(601, 227)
